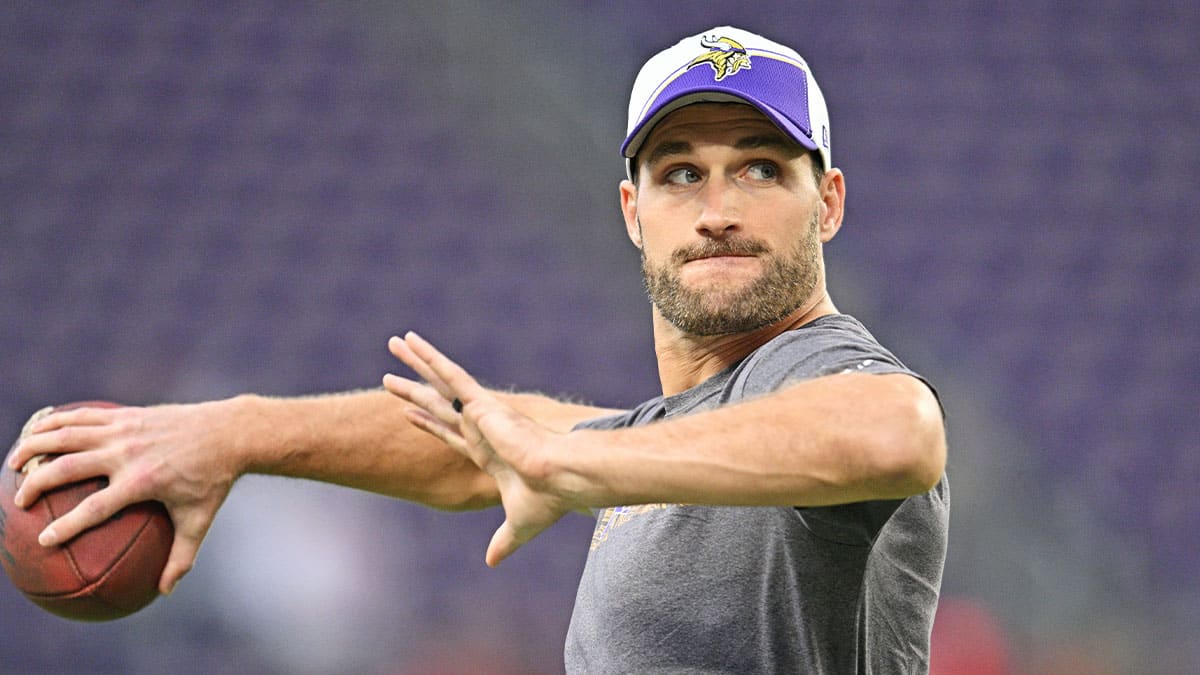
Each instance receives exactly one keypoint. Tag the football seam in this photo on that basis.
(89, 587)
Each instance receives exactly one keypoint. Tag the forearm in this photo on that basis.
(357, 439)
(362, 440)
(833, 440)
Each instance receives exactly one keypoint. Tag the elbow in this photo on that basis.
(461, 503)
(472, 492)
(925, 467)
(472, 503)
(913, 453)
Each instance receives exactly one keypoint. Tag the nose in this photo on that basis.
(719, 215)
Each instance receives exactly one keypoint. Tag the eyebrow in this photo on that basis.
(787, 147)
(666, 149)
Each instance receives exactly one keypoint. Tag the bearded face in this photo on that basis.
(719, 306)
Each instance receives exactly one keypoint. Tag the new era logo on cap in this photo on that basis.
(730, 64)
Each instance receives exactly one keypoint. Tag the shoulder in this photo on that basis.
(829, 345)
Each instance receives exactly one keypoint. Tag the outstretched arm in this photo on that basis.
(831, 440)
(189, 456)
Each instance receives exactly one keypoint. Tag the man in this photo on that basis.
(780, 508)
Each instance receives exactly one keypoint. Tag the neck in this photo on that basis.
(687, 360)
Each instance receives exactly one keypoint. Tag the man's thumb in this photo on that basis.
(502, 545)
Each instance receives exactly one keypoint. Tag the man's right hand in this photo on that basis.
(170, 453)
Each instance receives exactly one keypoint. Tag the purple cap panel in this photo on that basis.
(778, 88)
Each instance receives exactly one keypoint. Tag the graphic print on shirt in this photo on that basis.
(616, 516)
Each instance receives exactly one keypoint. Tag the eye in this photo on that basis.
(682, 176)
(762, 171)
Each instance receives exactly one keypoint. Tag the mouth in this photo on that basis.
(723, 266)
(719, 256)
(728, 251)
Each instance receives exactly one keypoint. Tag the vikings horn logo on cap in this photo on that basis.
(724, 55)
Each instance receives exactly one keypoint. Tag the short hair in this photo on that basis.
(818, 166)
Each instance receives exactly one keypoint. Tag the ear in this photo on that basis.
(629, 211)
(833, 203)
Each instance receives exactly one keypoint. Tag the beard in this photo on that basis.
(784, 286)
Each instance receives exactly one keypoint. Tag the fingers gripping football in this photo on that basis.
(164, 453)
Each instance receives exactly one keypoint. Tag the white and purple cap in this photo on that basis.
(728, 64)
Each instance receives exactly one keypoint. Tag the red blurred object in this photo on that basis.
(967, 640)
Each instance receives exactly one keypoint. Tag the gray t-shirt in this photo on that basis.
(673, 588)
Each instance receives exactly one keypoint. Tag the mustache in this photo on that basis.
(711, 248)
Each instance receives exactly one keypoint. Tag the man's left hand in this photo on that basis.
(518, 453)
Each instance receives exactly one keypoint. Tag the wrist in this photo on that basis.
(578, 481)
(241, 422)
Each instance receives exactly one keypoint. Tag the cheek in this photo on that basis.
(664, 216)
(801, 217)
(658, 242)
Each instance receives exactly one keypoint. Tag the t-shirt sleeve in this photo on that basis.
(837, 347)
(642, 414)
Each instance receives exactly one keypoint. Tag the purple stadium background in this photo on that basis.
(200, 199)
